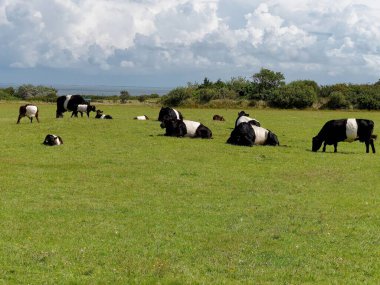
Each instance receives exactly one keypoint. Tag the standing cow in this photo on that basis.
(347, 130)
(244, 117)
(246, 134)
(28, 110)
(167, 113)
(69, 103)
(83, 108)
(186, 128)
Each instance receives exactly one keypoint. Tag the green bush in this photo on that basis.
(337, 100)
(294, 95)
(177, 96)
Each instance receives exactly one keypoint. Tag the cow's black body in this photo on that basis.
(244, 134)
(335, 131)
(72, 104)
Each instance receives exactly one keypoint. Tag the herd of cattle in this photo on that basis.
(247, 131)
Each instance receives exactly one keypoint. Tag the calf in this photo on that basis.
(218, 118)
(167, 113)
(83, 108)
(100, 115)
(247, 134)
(28, 110)
(186, 128)
(244, 117)
(141, 118)
(68, 103)
(347, 130)
(52, 140)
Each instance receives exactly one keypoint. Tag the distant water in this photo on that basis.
(104, 90)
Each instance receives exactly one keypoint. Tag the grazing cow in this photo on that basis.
(141, 118)
(218, 118)
(167, 113)
(244, 117)
(52, 140)
(347, 130)
(186, 128)
(69, 103)
(28, 110)
(247, 134)
(83, 108)
(100, 115)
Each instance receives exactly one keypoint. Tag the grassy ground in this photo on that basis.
(119, 203)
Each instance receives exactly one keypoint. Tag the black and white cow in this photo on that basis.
(246, 134)
(28, 110)
(347, 130)
(83, 108)
(141, 118)
(186, 128)
(68, 103)
(167, 113)
(100, 115)
(52, 140)
(244, 117)
(218, 118)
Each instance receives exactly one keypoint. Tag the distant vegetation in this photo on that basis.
(266, 88)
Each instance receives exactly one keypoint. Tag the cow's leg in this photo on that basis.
(31, 119)
(367, 146)
(19, 118)
(336, 147)
(372, 146)
(324, 147)
(37, 117)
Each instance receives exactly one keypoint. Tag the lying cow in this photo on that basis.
(186, 128)
(218, 118)
(141, 118)
(244, 117)
(100, 115)
(83, 108)
(52, 140)
(167, 113)
(347, 130)
(68, 103)
(28, 110)
(246, 134)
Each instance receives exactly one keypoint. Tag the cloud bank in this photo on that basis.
(170, 42)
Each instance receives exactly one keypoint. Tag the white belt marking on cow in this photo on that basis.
(68, 97)
(31, 111)
(243, 119)
(82, 108)
(141, 118)
(191, 127)
(103, 116)
(351, 130)
(176, 113)
(261, 135)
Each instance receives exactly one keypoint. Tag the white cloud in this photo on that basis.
(216, 38)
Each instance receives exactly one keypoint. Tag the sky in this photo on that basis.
(169, 43)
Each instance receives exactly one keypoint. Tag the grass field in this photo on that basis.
(119, 203)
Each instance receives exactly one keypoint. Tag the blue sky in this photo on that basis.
(172, 42)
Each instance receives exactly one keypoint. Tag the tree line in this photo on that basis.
(266, 88)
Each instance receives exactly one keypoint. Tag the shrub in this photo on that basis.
(337, 100)
(177, 96)
(294, 95)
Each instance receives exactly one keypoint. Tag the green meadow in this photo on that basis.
(119, 203)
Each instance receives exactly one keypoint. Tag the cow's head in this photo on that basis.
(316, 144)
(91, 108)
(242, 113)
